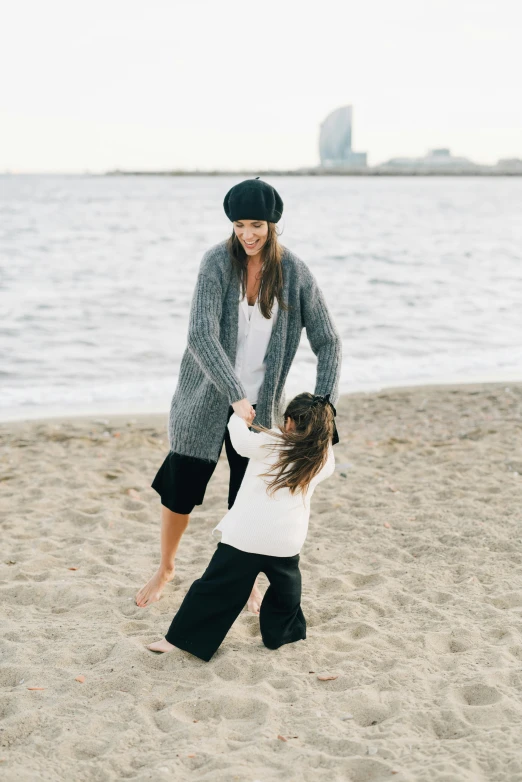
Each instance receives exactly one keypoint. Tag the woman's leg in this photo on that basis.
(281, 618)
(173, 525)
(181, 482)
(238, 465)
(213, 602)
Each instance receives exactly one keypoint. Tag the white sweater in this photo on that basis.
(257, 522)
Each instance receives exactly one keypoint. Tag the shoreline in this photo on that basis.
(476, 171)
(380, 170)
(104, 411)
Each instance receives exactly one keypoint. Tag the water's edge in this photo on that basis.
(158, 407)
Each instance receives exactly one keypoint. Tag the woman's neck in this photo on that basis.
(255, 263)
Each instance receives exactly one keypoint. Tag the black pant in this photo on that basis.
(215, 600)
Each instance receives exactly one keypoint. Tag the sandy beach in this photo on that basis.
(412, 590)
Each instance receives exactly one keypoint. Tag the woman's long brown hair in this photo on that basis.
(271, 273)
(303, 451)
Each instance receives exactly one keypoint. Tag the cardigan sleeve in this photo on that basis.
(203, 338)
(323, 336)
(246, 442)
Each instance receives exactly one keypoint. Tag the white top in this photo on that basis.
(253, 335)
(257, 522)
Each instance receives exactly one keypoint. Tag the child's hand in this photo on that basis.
(243, 409)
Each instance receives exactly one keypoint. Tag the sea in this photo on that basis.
(422, 276)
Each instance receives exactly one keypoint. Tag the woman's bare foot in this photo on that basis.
(161, 646)
(255, 600)
(152, 590)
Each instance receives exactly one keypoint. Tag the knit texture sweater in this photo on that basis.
(207, 383)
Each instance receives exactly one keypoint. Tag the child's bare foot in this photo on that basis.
(161, 646)
(152, 590)
(255, 600)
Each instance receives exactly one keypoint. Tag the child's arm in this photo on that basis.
(245, 442)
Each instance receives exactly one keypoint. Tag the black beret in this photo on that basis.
(253, 199)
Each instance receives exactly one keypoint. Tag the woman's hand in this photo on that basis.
(244, 409)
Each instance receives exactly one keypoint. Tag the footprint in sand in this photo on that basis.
(478, 695)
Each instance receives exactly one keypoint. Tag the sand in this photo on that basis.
(412, 590)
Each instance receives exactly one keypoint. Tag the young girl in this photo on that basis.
(262, 532)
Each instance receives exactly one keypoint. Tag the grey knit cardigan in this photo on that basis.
(208, 384)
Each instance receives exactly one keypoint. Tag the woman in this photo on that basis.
(252, 299)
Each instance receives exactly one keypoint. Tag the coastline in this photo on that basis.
(412, 587)
(377, 171)
(160, 407)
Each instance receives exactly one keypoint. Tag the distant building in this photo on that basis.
(335, 141)
(513, 164)
(436, 158)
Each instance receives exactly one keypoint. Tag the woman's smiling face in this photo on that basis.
(252, 234)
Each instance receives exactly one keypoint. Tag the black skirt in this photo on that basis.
(181, 481)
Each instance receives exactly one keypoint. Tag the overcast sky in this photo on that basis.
(165, 84)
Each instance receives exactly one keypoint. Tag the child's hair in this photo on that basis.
(306, 448)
